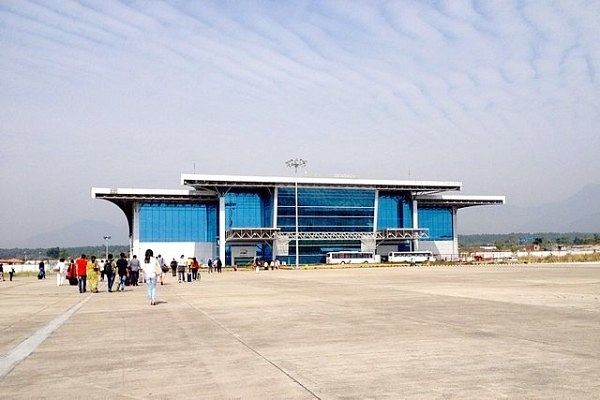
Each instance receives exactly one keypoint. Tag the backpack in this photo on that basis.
(108, 268)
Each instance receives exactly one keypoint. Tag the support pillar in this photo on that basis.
(455, 255)
(415, 219)
(222, 222)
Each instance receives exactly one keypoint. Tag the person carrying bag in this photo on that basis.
(151, 272)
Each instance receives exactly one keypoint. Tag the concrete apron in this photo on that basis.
(423, 332)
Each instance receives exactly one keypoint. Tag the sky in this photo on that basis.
(502, 96)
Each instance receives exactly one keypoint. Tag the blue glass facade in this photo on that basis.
(394, 211)
(248, 209)
(319, 210)
(439, 222)
(325, 210)
(160, 222)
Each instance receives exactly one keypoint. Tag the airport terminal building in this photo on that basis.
(237, 218)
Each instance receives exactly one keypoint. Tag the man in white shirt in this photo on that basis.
(181, 268)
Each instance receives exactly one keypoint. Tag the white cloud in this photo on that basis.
(477, 91)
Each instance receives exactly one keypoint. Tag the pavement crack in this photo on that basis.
(254, 350)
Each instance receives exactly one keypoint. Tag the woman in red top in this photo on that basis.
(71, 273)
(195, 268)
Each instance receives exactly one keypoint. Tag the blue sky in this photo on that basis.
(500, 95)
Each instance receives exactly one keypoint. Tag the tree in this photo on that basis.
(53, 252)
(63, 254)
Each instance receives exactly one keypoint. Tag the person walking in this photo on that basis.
(93, 274)
(60, 268)
(161, 260)
(195, 268)
(181, 268)
(122, 265)
(42, 268)
(164, 268)
(134, 268)
(101, 265)
(72, 273)
(210, 265)
(151, 271)
(81, 271)
(2, 271)
(109, 271)
(174, 267)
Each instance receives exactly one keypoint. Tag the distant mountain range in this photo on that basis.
(578, 213)
(83, 233)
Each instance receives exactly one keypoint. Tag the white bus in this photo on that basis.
(347, 257)
(410, 256)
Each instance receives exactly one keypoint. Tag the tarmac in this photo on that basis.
(427, 332)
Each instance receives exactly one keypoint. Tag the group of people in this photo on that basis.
(11, 273)
(182, 267)
(122, 271)
(215, 266)
(84, 270)
(86, 273)
(191, 267)
(127, 272)
(258, 264)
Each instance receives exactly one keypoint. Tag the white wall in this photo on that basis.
(26, 268)
(169, 250)
(445, 250)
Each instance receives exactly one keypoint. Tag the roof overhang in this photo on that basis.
(221, 183)
(460, 201)
(125, 199)
(166, 195)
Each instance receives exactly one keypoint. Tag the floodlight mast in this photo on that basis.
(106, 239)
(296, 163)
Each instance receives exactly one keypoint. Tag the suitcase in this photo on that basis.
(189, 277)
(40, 275)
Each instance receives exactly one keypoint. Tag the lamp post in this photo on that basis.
(106, 239)
(296, 163)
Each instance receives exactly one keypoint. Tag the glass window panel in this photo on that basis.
(439, 222)
(395, 211)
(160, 222)
(248, 209)
(321, 210)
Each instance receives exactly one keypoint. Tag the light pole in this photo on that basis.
(296, 163)
(106, 239)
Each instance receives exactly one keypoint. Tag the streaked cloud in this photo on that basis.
(501, 95)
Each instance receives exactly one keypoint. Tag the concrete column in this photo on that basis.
(376, 211)
(415, 218)
(275, 202)
(222, 228)
(134, 240)
(455, 254)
